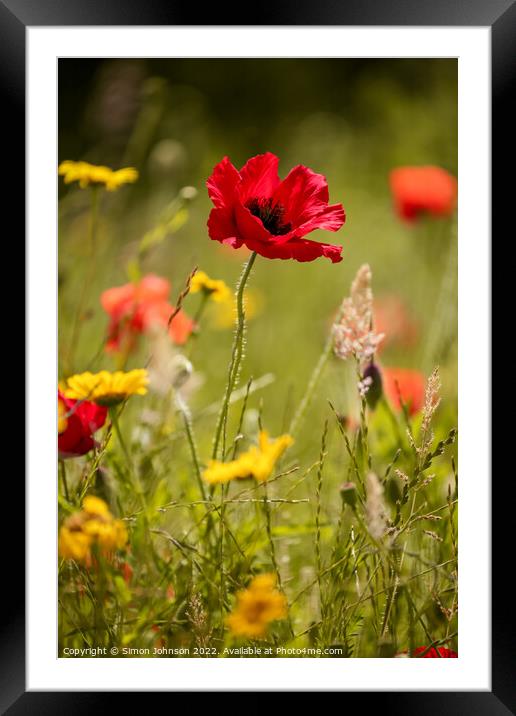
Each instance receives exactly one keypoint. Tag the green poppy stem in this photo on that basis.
(236, 356)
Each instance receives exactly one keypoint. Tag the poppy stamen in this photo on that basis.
(271, 215)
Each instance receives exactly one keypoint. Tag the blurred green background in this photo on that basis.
(351, 120)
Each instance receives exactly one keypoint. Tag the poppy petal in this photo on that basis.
(222, 183)
(222, 227)
(92, 416)
(298, 249)
(181, 328)
(259, 177)
(114, 300)
(304, 196)
(153, 288)
(330, 218)
(302, 193)
(251, 226)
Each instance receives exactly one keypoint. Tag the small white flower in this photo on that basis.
(364, 385)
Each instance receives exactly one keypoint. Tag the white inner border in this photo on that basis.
(471, 671)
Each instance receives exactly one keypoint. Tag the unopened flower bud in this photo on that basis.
(374, 380)
(167, 156)
(188, 193)
(182, 369)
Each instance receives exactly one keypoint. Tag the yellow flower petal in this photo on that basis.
(107, 388)
(215, 288)
(95, 506)
(257, 462)
(87, 174)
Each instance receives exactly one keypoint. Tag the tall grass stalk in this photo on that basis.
(318, 491)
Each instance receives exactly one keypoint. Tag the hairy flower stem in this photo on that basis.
(236, 355)
(312, 385)
(77, 321)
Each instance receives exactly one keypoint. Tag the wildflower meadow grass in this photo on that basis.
(257, 380)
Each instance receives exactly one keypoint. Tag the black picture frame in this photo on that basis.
(500, 16)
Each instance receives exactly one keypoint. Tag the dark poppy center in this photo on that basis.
(271, 215)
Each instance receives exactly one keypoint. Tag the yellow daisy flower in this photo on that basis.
(87, 174)
(214, 288)
(257, 462)
(107, 388)
(257, 606)
(93, 525)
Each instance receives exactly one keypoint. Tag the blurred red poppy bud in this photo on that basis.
(372, 381)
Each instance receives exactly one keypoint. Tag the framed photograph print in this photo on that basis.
(258, 263)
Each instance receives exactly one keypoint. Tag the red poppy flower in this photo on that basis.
(78, 420)
(410, 384)
(135, 307)
(432, 653)
(419, 190)
(272, 217)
